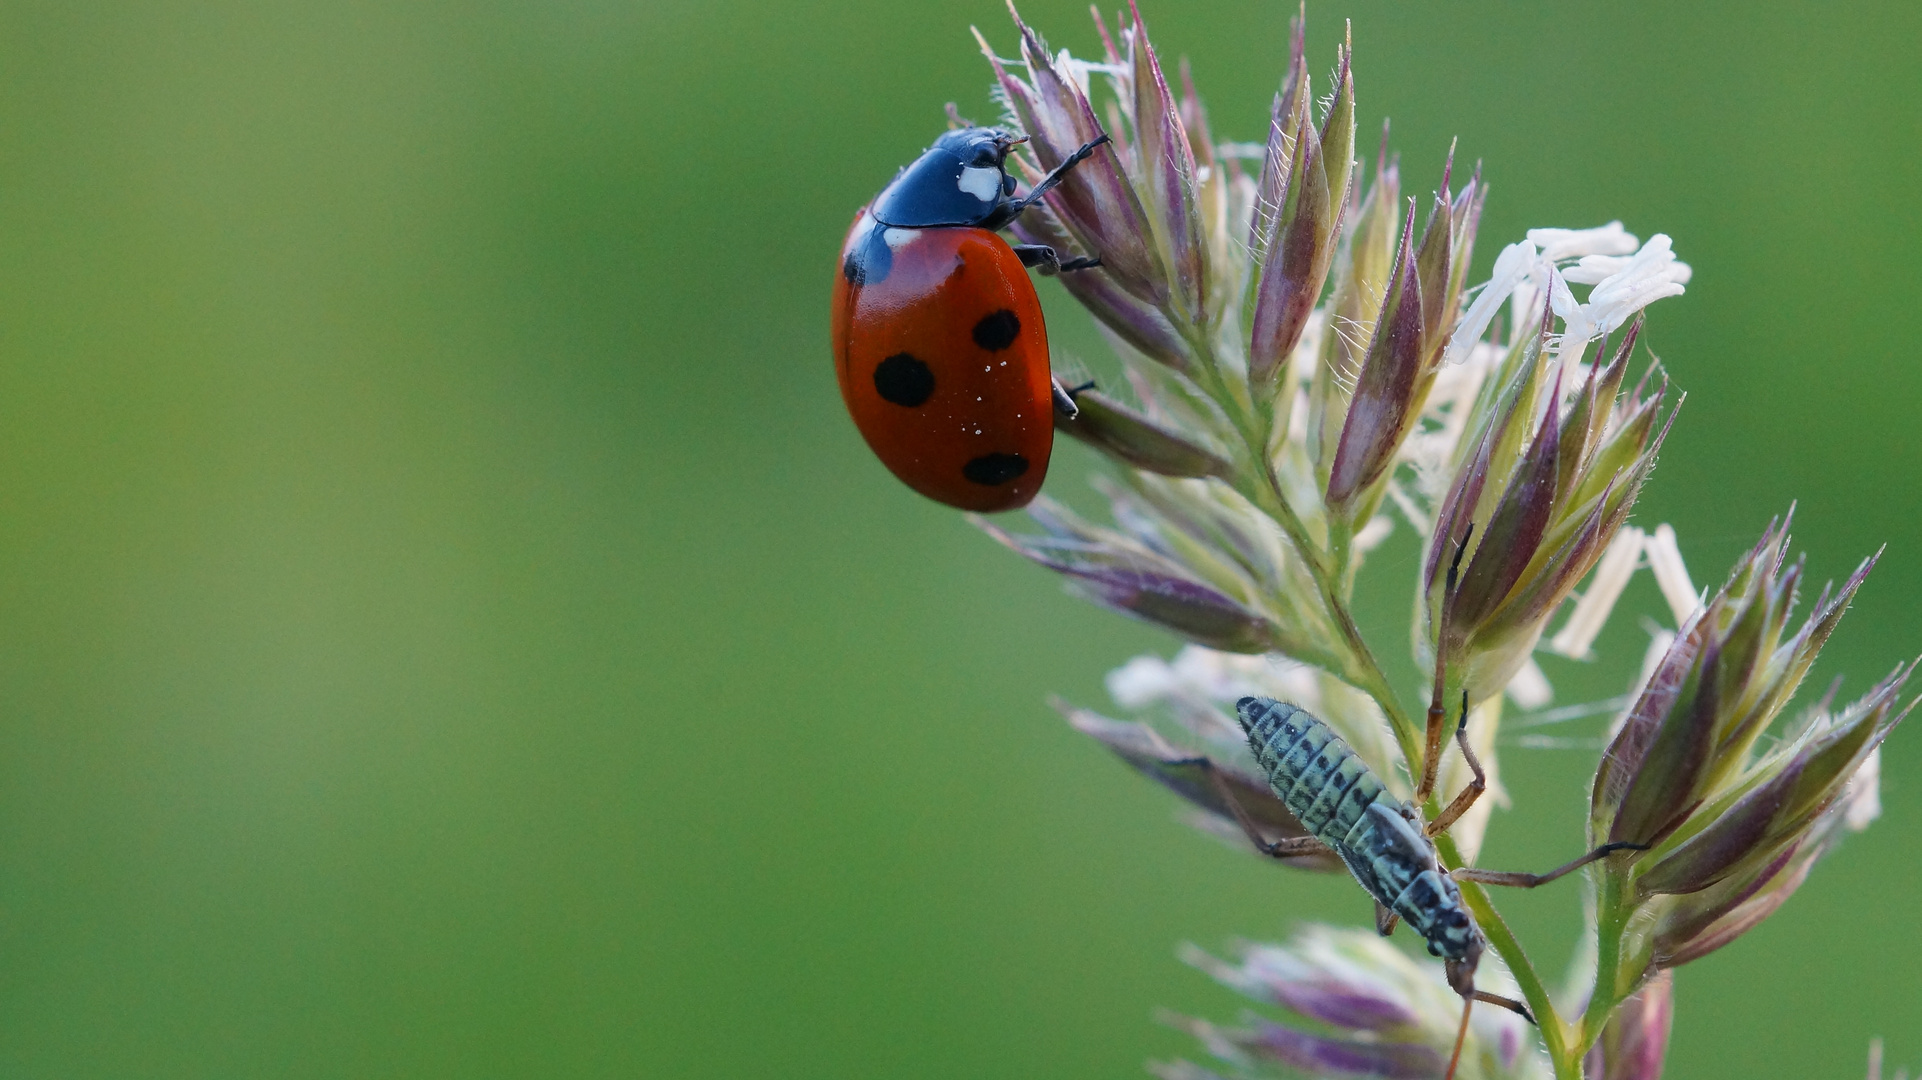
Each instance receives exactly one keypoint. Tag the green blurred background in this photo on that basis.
(448, 626)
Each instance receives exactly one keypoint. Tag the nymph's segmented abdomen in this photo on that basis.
(1312, 770)
(1340, 802)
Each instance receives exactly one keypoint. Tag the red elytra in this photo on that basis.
(942, 357)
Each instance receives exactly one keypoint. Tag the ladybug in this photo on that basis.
(939, 344)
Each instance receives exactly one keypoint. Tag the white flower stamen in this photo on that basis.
(1578, 323)
(1141, 682)
(1864, 793)
(1624, 286)
(1200, 675)
(1082, 71)
(1373, 533)
(1624, 283)
(1558, 245)
(1665, 558)
(1512, 267)
(1529, 689)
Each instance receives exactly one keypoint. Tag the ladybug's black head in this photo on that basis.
(980, 148)
(961, 180)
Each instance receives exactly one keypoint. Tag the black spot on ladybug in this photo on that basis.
(903, 380)
(869, 261)
(996, 332)
(989, 470)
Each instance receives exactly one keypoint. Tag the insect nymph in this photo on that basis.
(1347, 810)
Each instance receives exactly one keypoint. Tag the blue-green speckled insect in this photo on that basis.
(1347, 810)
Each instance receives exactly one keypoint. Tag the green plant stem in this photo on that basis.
(1611, 923)
(1365, 673)
(1341, 539)
(1556, 1032)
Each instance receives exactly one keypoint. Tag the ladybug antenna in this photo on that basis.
(1461, 1036)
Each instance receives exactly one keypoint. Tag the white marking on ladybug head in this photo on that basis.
(898, 238)
(983, 184)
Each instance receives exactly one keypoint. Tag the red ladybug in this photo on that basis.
(939, 344)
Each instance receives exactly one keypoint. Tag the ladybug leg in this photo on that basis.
(1064, 403)
(1048, 261)
(1054, 176)
(1039, 256)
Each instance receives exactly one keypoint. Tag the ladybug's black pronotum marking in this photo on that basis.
(904, 380)
(990, 470)
(997, 331)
